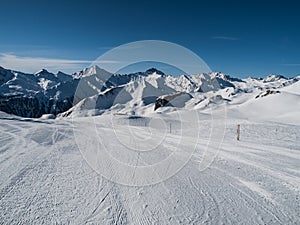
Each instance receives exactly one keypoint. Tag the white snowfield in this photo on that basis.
(172, 166)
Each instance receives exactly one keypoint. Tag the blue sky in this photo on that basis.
(240, 38)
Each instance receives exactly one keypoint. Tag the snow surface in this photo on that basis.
(112, 159)
(47, 175)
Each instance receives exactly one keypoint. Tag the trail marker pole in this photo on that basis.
(238, 132)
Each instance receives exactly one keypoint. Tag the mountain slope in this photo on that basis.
(45, 178)
(32, 95)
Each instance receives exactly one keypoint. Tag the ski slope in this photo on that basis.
(48, 175)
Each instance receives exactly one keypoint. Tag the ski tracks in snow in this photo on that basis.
(44, 179)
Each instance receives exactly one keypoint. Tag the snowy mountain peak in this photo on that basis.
(274, 77)
(42, 71)
(218, 74)
(153, 70)
(224, 77)
(93, 70)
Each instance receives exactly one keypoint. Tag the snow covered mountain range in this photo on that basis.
(94, 91)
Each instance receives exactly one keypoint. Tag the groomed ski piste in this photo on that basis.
(169, 166)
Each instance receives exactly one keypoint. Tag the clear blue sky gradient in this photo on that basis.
(240, 38)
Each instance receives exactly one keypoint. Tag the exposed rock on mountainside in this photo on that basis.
(32, 95)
